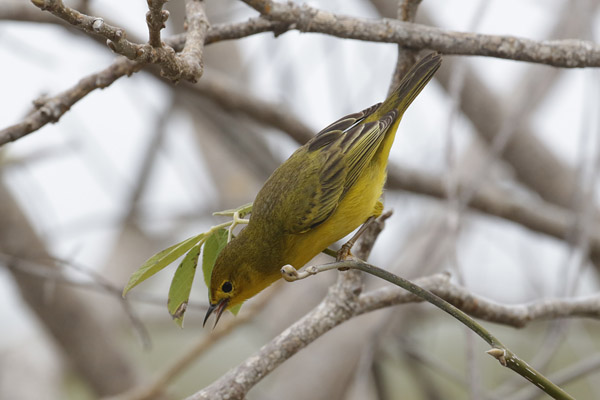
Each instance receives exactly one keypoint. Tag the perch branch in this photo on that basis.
(499, 351)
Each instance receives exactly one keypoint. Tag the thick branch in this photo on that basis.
(518, 315)
(568, 53)
(197, 28)
(174, 66)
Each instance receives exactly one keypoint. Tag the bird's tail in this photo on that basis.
(410, 86)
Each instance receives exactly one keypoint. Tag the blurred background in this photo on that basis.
(143, 164)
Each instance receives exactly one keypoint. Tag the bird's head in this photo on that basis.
(238, 274)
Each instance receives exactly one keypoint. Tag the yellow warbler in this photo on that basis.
(324, 191)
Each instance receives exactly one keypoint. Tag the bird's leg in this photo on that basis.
(344, 253)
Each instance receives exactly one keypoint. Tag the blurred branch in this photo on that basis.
(568, 53)
(407, 10)
(53, 271)
(231, 98)
(430, 361)
(85, 338)
(159, 384)
(538, 216)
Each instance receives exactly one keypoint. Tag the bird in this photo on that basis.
(325, 190)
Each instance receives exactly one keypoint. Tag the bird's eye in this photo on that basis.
(227, 287)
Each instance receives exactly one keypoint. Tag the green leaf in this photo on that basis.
(160, 261)
(212, 247)
(181, 285)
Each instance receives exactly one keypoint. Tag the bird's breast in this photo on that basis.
(353, 210)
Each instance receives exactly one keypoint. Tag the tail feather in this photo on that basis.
(410, 86)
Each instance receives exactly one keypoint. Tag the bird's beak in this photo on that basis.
(218, 309)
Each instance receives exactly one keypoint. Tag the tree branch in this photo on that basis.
(174, 66)
(567, 53)
(51, 109)
(197, 27)
(116, 37)
(539, 216)
(499, 351)
(156, 18)
(407, 10)
(518, 315)
(333, 311)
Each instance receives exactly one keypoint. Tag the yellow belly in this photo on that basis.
(355, 208)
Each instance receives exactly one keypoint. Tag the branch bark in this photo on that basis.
(568, 53)
(51, 109)
(187, 65)
(518, 315)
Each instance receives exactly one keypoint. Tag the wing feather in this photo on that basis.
(344, 156)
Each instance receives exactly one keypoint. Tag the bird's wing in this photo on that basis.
(344, 149)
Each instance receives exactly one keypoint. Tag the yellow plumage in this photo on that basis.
(324, 191)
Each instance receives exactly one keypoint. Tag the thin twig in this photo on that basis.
(156, 18)
(506, 357)
(564, 376)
